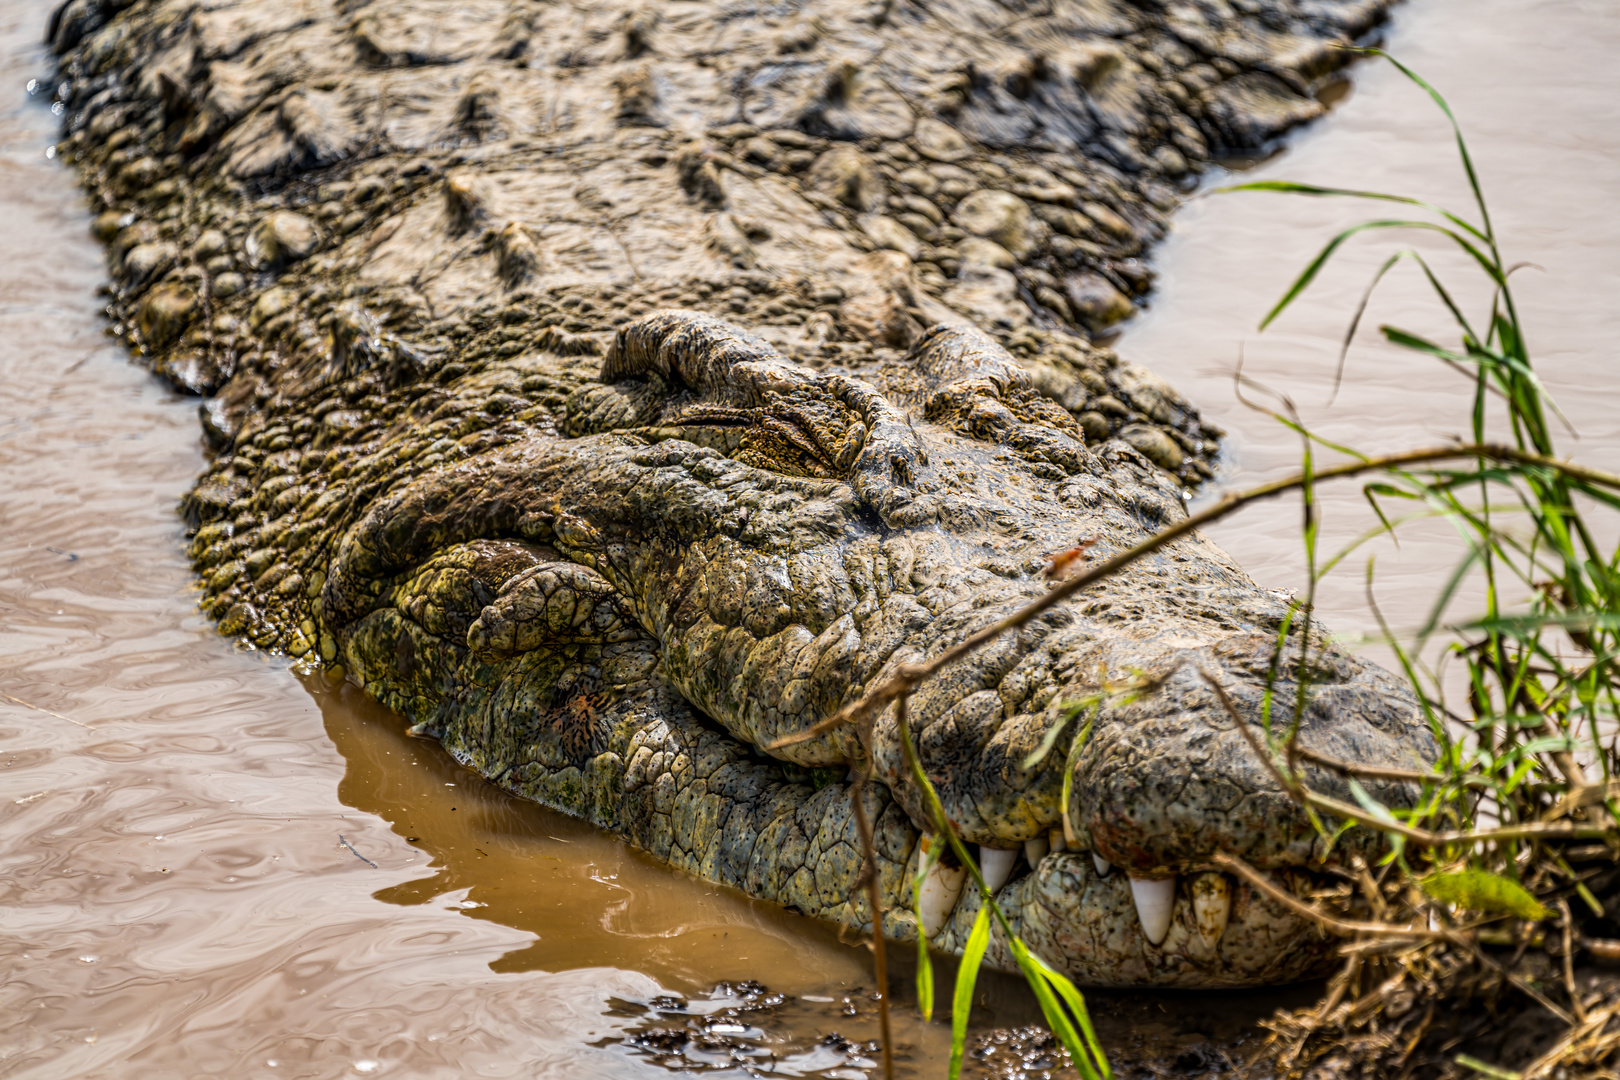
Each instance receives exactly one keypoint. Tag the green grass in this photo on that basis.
(1524, 782)
(1525, 779)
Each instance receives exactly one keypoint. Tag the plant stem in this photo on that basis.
(874, 895)
(910, 676)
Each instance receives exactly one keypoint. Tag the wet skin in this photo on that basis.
(611, 444)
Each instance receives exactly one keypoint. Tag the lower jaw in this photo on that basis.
(1075, 917)
(1088, 925)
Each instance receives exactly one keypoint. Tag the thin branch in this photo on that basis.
(1569, 961)
(1593, 1025)
(1585, 795)
(1530, 830)
(47, 712)
(1290, 786)
(1342, 927)
(910, 676)
(1372, 772)
(874, 896)
(1523, 986)
(1538, 830)
(1345, 928)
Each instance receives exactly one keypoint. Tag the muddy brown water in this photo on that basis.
(1538, 95)
(210, 866)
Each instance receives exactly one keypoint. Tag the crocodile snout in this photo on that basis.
(706, 521)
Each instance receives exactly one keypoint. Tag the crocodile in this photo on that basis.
(620, 390)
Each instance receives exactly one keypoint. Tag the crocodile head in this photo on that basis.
(787, 539)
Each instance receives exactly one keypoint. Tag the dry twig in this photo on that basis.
(910, 676)
(874, 896)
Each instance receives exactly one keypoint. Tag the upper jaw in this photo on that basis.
(1131, 887)
(1170, 780)
(1162, 784)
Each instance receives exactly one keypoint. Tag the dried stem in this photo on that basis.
(1569, 961)
(1592, 1026)
(1531, 830)
(1293, 787)
(910, 676)
(1372, 772)
(1536, 830)
(1524, 987)
(1341, 927)
(874, 896)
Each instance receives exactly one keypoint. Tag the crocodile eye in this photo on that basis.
(802, 434)
(684, 375)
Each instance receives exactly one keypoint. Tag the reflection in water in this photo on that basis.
(175, 900)
(588, 899)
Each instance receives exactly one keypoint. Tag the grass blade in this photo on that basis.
(1077, 1008)
(1308, 275)
(1052, 1009)
(1456, 130)
(1292, 188)
(966, 976)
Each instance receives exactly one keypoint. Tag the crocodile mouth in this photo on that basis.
(1131, 882)
(1202, 929)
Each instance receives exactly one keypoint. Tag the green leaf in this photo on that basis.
(1370, 804)
(1481, 890)
(1462, 144)
(925, 978)
(1293, 188)
(966, 975)
(1056, 1018)
(1308, 275)
(1550, 744)
(1077, 1007)
(1049, 740)
(1485, 1068)
(1447, 591)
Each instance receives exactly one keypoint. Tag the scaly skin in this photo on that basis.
(491, 436)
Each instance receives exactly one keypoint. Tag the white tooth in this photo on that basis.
(1035, 850)
(1212, 905)
(1155, 901)
(1104, 867)
(940, 891)
(1057, 841)
(997, 866)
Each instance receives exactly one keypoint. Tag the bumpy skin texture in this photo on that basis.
(614, 390)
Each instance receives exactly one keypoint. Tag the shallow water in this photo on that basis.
(1538, 96)
(213, 868)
